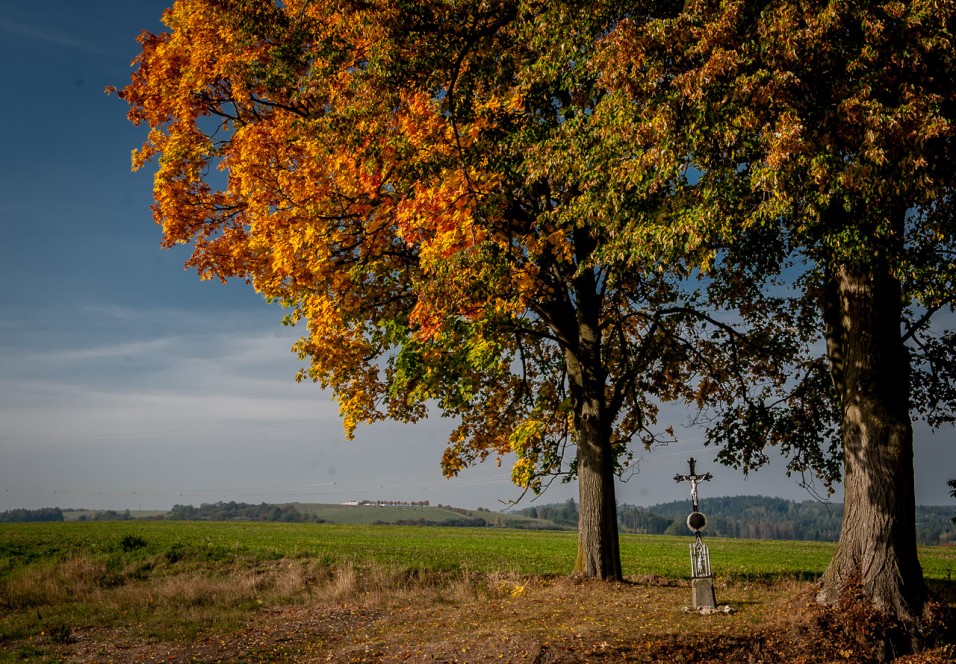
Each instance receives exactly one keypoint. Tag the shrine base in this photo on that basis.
(703, 591)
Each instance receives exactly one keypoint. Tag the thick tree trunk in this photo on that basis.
(877, 547)
(599, 555)
(598, 549)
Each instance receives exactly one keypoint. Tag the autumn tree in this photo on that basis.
(423, 184)
(822, 137)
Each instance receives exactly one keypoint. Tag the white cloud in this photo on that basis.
(235, 376)
(133, 407)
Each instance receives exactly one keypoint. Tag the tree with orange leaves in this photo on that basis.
(423, 184)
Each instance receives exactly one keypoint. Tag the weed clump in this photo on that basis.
(61, 634)
(131, 543)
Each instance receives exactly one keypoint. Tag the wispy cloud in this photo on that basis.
(50, 36)
(104, 373)
(66, 356)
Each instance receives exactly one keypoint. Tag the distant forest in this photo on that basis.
(42, 515)
(233, 511)
(750, 517)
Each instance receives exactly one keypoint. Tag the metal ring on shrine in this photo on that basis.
(696, 522)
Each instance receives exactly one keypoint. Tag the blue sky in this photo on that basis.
(125, 382)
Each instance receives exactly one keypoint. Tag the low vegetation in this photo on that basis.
(189, 591)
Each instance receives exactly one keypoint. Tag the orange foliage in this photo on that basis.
(429, 199)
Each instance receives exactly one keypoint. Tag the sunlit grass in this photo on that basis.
(417, 548)
(177, 582)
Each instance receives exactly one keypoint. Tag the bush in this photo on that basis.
(131, 543)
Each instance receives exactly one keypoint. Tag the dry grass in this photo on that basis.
(84, 610)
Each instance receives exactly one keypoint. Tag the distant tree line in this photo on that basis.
(395, 503)
(455, 523)
(25, 516)
(233, 511)
(749, 517)
(562, 514)
(758, 517)
(106, 515)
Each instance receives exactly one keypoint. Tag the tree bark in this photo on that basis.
(599, 554)
(598, 549)
(592, 423)
(877, 549)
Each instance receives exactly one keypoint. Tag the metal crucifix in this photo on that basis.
(694, 480)
(702, 579)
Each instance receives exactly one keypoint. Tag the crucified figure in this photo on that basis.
(694, 480)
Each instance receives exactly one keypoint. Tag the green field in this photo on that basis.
(183, 591)
(415, 548)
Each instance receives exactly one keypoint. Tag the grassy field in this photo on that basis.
(411, 547)
(165, 586)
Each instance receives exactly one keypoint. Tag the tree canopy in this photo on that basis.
(546, 219)
(427, 186)
(823, 136)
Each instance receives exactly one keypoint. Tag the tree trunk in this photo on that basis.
(870, 368)
(599, 554)
(598, 550)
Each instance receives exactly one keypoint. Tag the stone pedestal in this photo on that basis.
(703, 591)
